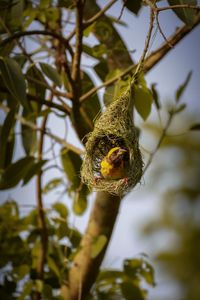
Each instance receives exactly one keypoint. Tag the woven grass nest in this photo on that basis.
(114, 128)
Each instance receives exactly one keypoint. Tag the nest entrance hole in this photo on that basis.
(102, 146)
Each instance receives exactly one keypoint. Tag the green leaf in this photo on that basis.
(35, 252)
(195, 126)
(155, 96)
(108, 96)
(39, 285)
(26, 291)
(66, 3)
(23, 270)
(187, 15)
(52, 265)
(133, 6)
(61, 209)
(130, 291)
(52, 184)
(14, 80)
(37, 88)
(183, 86)
(29, 135)
(80, 200)
(12, 15)
(101, 69)
(89, 29)
(15, 172)
(132, 266)
(148, 273)
(114, 91)
(51, 73)
(71, 163)
(143, 101)
(5, 137)
(180, 108)
(47, 292)
(109, 275)
(98, 245)
(33, 170)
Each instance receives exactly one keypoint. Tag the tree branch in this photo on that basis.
(62, 108)
(54, 137)
(85, 268)
(79, 35)
(151, 60)
(195, 7)
(47, 86)
(41, 214)
(93, 18)
(163, 134)
(20, 34)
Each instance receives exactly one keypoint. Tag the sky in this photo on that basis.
(142, 204)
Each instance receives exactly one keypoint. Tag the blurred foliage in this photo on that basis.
(20, 247)
(31, 70)
(19, 250)
(179, 216)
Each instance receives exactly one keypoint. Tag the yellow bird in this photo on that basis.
(114, 164)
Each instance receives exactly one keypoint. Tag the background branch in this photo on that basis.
(151, 60)
(20, 34)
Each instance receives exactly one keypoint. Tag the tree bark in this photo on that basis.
(85, 268)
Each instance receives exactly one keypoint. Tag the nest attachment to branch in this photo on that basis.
(114, 128)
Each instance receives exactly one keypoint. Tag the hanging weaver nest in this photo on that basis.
(114, 128)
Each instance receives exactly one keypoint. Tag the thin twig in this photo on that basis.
(20, 34)
(146, 46)
(64, 108)
(161, 32)
(150, 61)
(122, 10)
(163, 135)
(195, 7)
(47, 86)
(93, 19)
(56, 138)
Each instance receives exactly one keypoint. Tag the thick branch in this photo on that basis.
(41, 214)
(85, 268)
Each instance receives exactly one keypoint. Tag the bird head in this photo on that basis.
(116, 155)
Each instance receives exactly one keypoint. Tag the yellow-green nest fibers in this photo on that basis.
(114, 128)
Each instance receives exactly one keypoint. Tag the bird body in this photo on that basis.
(114, 164)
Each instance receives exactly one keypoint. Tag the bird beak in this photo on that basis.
(121, 151)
